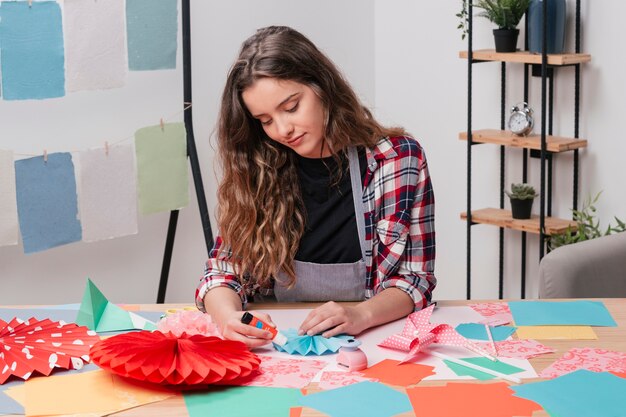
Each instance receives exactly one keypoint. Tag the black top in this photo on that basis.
(330, 234)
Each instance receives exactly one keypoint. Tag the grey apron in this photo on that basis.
(336, 282)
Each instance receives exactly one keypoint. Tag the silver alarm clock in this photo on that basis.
(521, 119)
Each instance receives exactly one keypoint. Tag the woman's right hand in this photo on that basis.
(233, 329)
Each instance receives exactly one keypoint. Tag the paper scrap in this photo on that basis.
(556, 332)
(478, 332)
(577, 312)
(108, 193)
(592, 359)
(520, 349)
(284, 372)
(8, 202)
(47, 203)
(498, 366)
(393, 372)
(310, 345)
(336, 379)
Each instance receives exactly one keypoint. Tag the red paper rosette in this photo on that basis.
(42, 345)
(166, 359)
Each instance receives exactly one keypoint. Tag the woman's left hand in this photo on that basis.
(333, 319)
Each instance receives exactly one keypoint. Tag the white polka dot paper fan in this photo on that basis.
(42, 345)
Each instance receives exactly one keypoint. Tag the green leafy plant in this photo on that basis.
(463, 15)
(521, 191)
(587, 226)
(506, 14)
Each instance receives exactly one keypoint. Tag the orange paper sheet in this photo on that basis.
(97, 392)
(556, 332)
(469, 400)
(390, 372)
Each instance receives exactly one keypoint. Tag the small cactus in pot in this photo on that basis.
(522, 196)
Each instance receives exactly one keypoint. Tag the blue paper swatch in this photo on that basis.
(47, 204)
(477, 331)
(310, 345)
(574, 313)
(7, 404)
(151, 28)
(580, 393)
(32, 54)
(365, 399)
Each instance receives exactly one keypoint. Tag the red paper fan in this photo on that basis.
(166, 359)
(42, 345)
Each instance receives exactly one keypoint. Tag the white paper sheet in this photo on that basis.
(108, 193)
(8, 204)
(95, 43)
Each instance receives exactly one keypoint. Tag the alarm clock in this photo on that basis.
(521, 119)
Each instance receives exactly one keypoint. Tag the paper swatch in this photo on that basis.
(8, 203)
(596, 360)
(32, 54)
(519, 349)
(284, 372)
(108, 193)
(337, 379)
(556, 332)
(310, 345)
(575, 313)
(46, 201)
(95, 41)
(162, 168)
(393, 372)
(498, 366)
(152, 26)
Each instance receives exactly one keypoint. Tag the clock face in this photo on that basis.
(519, 123)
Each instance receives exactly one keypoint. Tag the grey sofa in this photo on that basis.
(593, 268)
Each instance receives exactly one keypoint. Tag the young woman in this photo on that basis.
(318, 201)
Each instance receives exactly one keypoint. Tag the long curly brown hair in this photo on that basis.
(260, 213)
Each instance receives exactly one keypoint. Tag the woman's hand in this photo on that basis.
(333, 319)
(233, 329)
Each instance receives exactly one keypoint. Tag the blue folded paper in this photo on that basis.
(310, 345)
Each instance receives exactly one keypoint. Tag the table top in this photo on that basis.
(612, 338)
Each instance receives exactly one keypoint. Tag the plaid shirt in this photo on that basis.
(399, 228)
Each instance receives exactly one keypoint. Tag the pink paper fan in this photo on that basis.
(189, 322)
(163, 358)
(42, 345)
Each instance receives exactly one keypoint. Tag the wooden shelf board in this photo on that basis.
(526, 57)
(502, 218)
(505, 137)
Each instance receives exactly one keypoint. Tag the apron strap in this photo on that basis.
(357, 195)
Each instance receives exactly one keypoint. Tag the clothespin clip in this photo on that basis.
(162, 125)
(106, 148)
(45, 156)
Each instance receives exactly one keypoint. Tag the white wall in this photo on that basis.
(401, 56)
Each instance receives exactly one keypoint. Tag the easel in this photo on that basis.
(193, 160)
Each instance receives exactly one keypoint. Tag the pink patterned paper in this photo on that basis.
(419, 332)
(519, 349)
(336, 379)
(596, 360)
(495, 314)
(285, 373)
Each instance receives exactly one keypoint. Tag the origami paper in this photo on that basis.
(99, 314)
(108, 191)
(419, 332)
(9, 405)
(398, 373)
(520, 349)
(162, 174)
(241, 401)
(592, 359)
(165, 359)
(580, 393)
(190, 322)
(8, 203)
(28, 346)
(499, 309)
(578, 312)
(498, 366)
(310, 345)
(151, 26)
(47, 204)
(91, 393)
(336, 379)
(469, 400)
(365, 399)
(478, 332)
(556, 332)
(283, 373)
(32, 55)
(95, 42)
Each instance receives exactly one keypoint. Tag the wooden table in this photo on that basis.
(613, 338)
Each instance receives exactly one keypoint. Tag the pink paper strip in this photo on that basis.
(596, 360)
(496, 314)
(520, 349)
(285, 373)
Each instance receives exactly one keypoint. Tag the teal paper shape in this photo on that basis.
(32, 54)
(242, 402)
(310, 345)
(581, 393)
(574, 313)
(99, 314)
(151, 30)
(477, 331)
(365, 399)
(503, 368)
(47, 203)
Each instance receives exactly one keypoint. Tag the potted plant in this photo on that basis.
(522, 196)
(507, 15)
